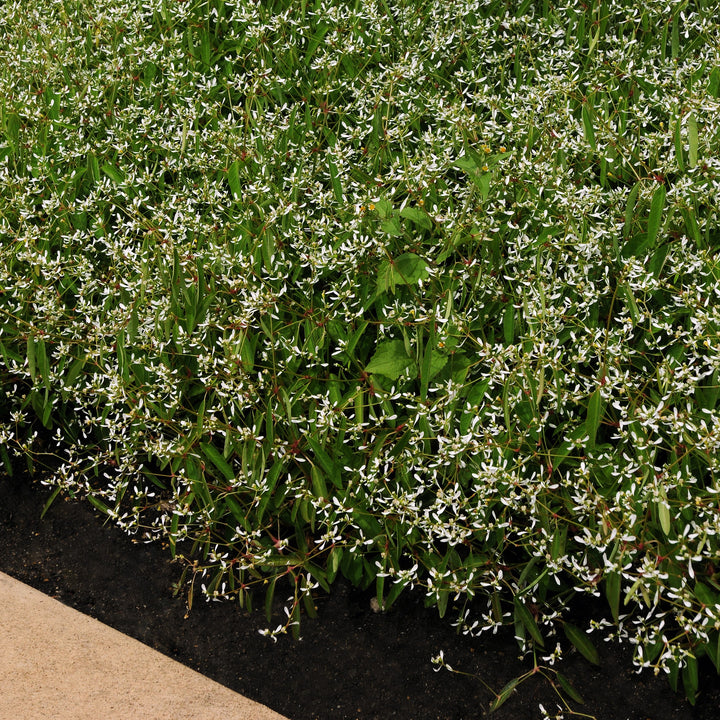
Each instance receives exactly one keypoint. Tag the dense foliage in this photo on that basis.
(423, 294)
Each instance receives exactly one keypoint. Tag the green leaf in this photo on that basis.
(335, 180)
(630, 210)
(234, 180)
(524, 616)
(269, 595)
(408, 269)
(31, 356)
(714, 83)
(509, 324)
(705, 595)
(417, 216)
(99, 504)
(569, 689)
(656, 210)
(390, 360)
(113, 173)
(588, 126)
(612, 593)
(692, 141)
(582, 643)
(49, 501)
(504, 694)
(216, 458)
(594, 415)
(690, 679)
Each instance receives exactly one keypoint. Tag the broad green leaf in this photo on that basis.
(406, 269)
(409, 268)
(417, 216)
(390, 359)
(705, 595)
(581, 641)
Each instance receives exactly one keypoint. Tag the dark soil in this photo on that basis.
(350, 663)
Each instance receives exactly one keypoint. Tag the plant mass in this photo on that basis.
(422, 294)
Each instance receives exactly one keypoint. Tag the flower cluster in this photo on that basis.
(425, 294)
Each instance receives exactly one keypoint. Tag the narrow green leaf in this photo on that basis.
(569, 689)
(318, 482)
(705, 595)
(335, 180)
(691, 226)
(99, 504)
(326, 463)
(656, 210)
(630, 210)
(216, 458)
(664, 516)
(690, 678)
(679, 152)
(234, 180)
(269, 595)
(613, 582)
(594, 415)
(528, 621)
(49, 501)
(692, 141)
(442, 601)
(31, 356)
(588, 126)
(582, 643)
(714, 83)
(113, 173)
(309, 604)
(504, 694)
(509, 324)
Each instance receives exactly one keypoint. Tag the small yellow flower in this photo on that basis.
(371, 206)
(502, 148)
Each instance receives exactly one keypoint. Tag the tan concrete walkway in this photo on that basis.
(58, 663)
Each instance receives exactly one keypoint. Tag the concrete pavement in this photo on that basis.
(57, 663)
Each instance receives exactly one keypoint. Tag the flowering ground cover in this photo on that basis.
(420, 295)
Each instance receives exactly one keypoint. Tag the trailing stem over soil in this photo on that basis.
(420, 294)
